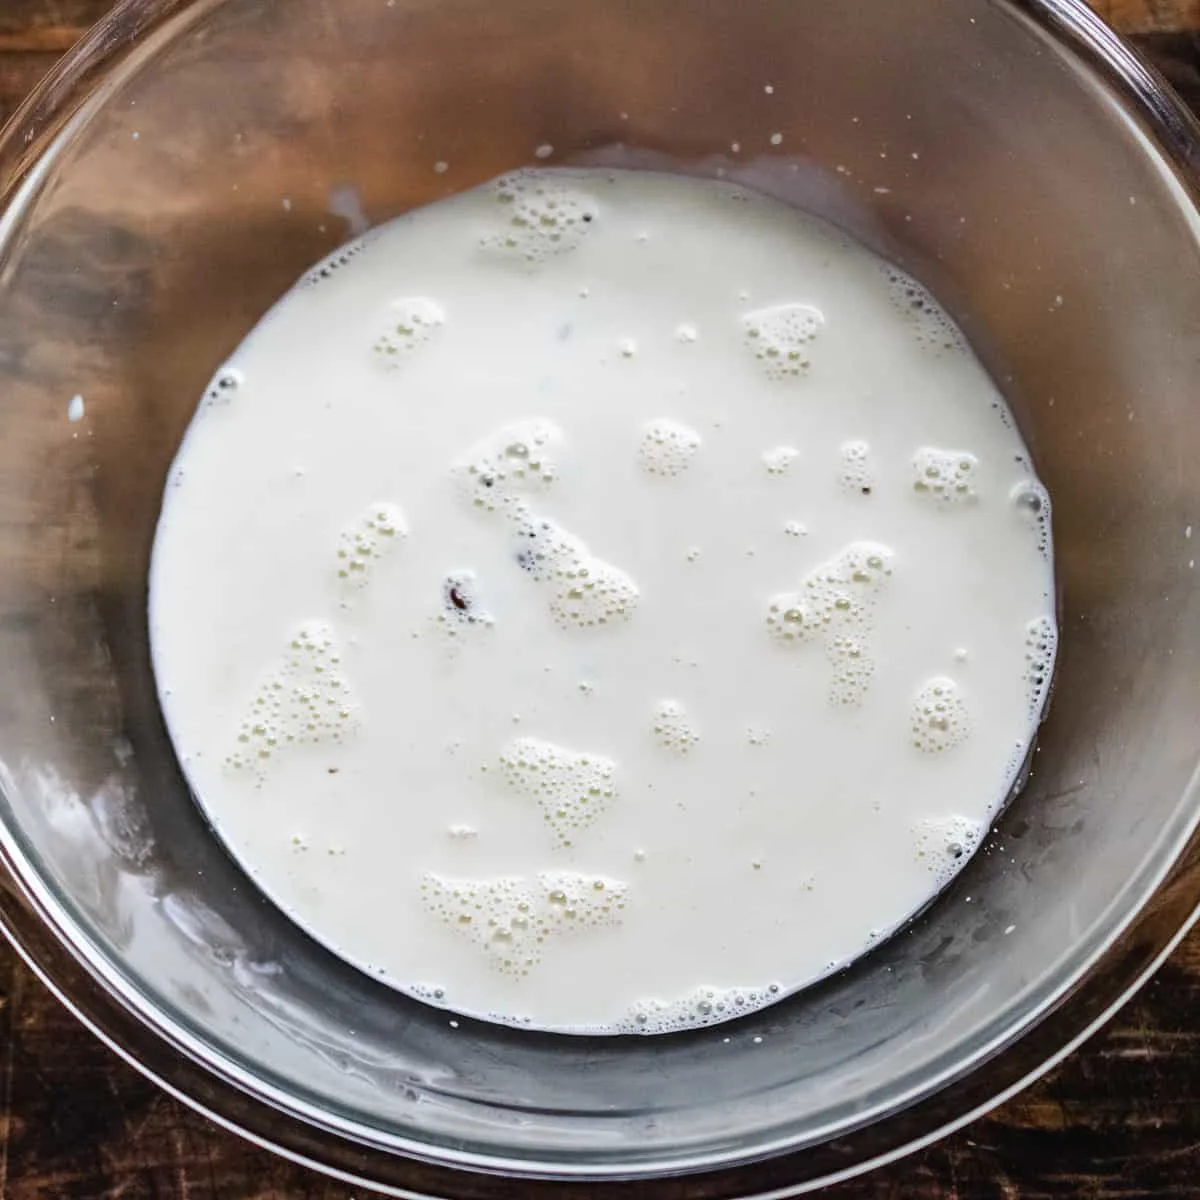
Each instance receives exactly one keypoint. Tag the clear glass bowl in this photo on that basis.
(192, 157)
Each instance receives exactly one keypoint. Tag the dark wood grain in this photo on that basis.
(1150, 16)
(1120, 1119)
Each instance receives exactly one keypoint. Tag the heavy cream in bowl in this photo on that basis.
(603, 602)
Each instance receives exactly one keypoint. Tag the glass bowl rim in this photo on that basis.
(1118, 955)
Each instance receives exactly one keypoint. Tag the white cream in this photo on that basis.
(602, 601)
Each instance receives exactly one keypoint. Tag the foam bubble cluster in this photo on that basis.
(306, 700)
(943, 844)
(1041, 646)
(667, 448)
(673, 729)
(705, 1006)
(857, 470)
(362, 545)
(221, 391)
(510, 918)
(509, 463)
(945, 477)
(410, 323)
(583, 591)
(339, 258)
(1032, 503)
(834, 605)
(572, 789)
(780, 338)
(778, 459)
(578, 901)
(940, 718)
(543, 216)
(930, 323)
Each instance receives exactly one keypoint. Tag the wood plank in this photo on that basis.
(1150, 16)
(38, 25)
(19, 74)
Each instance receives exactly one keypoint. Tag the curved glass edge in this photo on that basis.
(1121, 957)
(79, 75)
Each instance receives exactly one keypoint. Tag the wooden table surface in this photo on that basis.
(1120, 1119)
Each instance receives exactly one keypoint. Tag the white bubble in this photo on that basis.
(543, 215)
(408, 324)
(306, 700)
(431, 992)
(686, 333)
(930, 323)
(365, 543)
(572, 788)
(857, 470)
(780, 338)
(222, 390)
(673, 729)
(795, 529)
(583, 591)
(945, 477)
(834, 606)
(75, 409)
(939, 716)
(667, 448)
(339, 258)
(599, 594)
(511, 917)
(1041, 648)
(577, 901)
(703, 1007)
(943, 844)
(512, 462)
(778, 459)
(1032, 504)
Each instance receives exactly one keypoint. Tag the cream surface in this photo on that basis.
(602, 601)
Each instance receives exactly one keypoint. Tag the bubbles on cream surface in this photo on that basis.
(603, 602)
(945, 477)
(667, 448)
(365, 543)
(1041, 647)
(582, 590)
(410, 323)
(510, 919)
(778, 459)
(1032, 505)
(857, 472)
(507, 464)
(940, 717)
(930, 324)
(572, 789)
(944, 843)
(835, 605)
(780, 338)
(539, 214)
(673, 729)
(305, 700)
